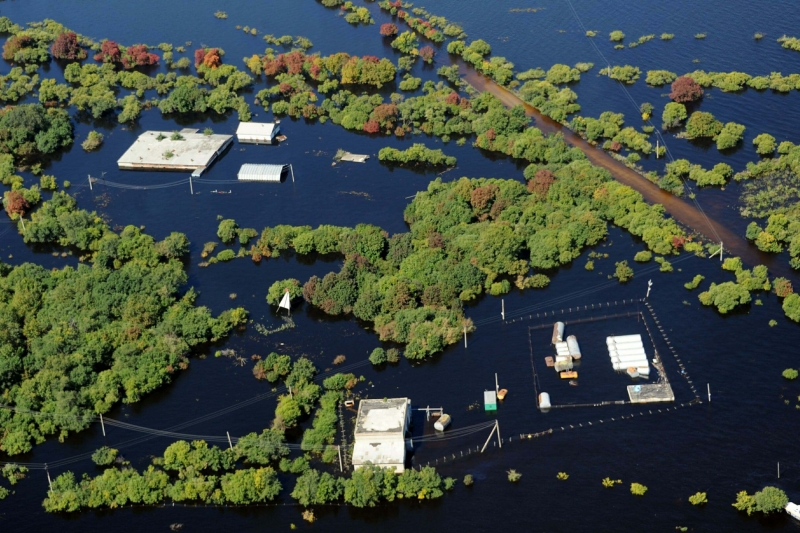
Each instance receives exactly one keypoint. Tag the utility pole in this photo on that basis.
(485, 444)
(496, 386)
(90, 182)
(229, 440)
(48, 477)
(23, 224)
(649, 285)
(465, 336)
(102, 425)
(499, 440)
(191, 189)
(341, 467)
(709, 392)
(503, 308)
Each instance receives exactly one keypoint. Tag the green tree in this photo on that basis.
(623, 272)
(277, 290)
(674, 113)
(227, 230)
(702, 124)
(765, 144)
(730, 135)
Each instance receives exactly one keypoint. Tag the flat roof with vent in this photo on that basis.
(257, 132)
(156, 150)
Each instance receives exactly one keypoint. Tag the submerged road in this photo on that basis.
(682, 211)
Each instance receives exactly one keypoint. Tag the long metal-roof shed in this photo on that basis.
(255, 172)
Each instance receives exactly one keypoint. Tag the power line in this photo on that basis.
(658, 133)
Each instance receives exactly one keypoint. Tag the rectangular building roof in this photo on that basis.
(388, 452)
(254, 172)
(193, 151)
(257, 129)
(385, 417)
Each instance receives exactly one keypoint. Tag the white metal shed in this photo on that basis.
(253, 172)
(257, 132)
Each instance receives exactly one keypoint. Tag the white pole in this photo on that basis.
(191, 188)
(291, 169)
(490, 437)
(709, 392)
(465, 336)
(503, 308)
(720, 251)
(499, 440)
(23, 224)
(656, 148)
(496, 386)
(90, 182)
(340, 459)
(102, 425)
(48, 478)
(779, 469)
(649, 284)
(229, 440)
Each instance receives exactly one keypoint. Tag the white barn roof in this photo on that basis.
(252, 172)
(256, 129)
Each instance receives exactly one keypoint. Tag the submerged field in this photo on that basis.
(397, 253)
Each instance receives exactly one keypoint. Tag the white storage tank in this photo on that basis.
(558, 332)
(544, 401)
(442, 423)
(574, 349)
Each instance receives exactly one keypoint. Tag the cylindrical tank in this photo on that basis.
(574, 349)
(442, 423)
(544, 401)
(623, 338)
(558, 332)
(631, 356)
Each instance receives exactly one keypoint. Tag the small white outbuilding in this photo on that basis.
(257, 132)
(380, 433)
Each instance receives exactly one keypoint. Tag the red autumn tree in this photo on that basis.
(388, 29)
(685, 89)
(294, 62)
(66, 47)
(452, 99)
(212, 59)
(399, 131)
(427, 53)
(138, 56)
(490, 134)
(372, 126)
(199, 56)
(541, 182)
(109, 52)
(783, 287)
(385, 114)
(273, 67)
(16, 204)
(14, 44)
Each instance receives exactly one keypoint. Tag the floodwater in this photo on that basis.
(733, 443)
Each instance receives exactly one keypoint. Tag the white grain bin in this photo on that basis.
(574, 349)
(544, 401)
(442, 423)
(558, 332)
(624, 338)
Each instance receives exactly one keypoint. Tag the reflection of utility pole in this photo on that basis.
(649, 285)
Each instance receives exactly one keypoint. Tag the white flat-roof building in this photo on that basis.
(155, 150)
(257, 132)
(380, 433)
